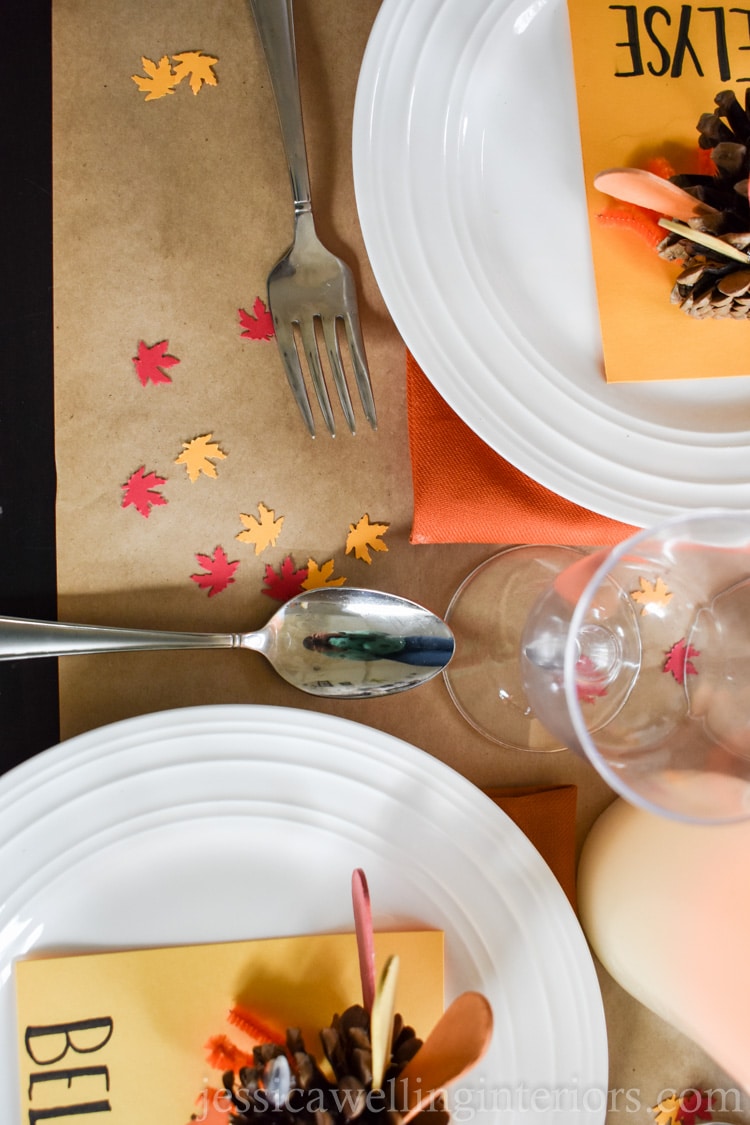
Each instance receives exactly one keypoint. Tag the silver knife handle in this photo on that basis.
(275, 23)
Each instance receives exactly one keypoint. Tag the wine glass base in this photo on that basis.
(487, 616)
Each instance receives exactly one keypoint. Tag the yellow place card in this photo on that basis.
(117, 1037)
(644, 74)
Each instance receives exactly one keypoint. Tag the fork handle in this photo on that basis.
(275, 23)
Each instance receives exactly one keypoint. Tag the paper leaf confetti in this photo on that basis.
(159, 81)
(652, 596)
(140, 491)
(285, 583)
(162, 77)
(197, 66)
(257, 325)
(364, 537)
(588, 692)
(680, 661)
(666, 1111)
(261, 533)
(198, 457)
(695, 1105)
(151, 360)
(684, 1109)
(318, 577)
(219, 572)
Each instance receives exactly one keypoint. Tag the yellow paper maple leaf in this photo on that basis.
(365, 536)
(198, 456)
(160, 79)
(653, 596)
(320, 576)
(198, 66)
(261, 533)
(666, 1112)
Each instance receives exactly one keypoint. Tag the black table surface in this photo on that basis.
(29, 714)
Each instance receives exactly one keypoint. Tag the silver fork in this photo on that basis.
(309, 284)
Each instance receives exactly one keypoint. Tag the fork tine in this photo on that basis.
(334, 356)
(310, 344)
(359, 363)
(288, 349)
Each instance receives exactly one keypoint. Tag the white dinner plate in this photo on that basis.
(469, 186)
(172, 828)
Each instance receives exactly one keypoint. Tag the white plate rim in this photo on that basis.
(580, 441)
(102, 762)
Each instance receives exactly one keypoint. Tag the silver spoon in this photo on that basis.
(342, 642)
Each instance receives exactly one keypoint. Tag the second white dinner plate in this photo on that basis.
(173, 828)
(470, 192)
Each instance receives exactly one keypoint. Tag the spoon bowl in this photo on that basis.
(350, 643)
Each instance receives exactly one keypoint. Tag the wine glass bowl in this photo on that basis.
(670, 613)
(636, 658)
(486, 615)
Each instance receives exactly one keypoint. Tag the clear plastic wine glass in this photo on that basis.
(635, 657)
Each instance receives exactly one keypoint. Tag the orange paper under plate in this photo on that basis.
(153, 1010)
(626, 118)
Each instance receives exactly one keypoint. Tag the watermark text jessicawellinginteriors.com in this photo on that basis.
(469, 1102)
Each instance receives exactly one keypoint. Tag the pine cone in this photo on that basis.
(706, 289)
(288, 1086)
(710, 284)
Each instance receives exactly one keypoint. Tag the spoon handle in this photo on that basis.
(21, 638)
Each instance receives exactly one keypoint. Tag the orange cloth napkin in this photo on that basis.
(464, 492)
(547, 815)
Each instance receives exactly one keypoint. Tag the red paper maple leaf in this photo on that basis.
(150, 361)
(588, 692)
(219, 572)
(695, 1105)
(679, 661)
(258, 325)
(139, 490)
(285, 583)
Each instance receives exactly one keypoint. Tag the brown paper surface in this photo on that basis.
(168, 216)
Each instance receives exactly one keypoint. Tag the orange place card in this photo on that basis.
(116, 1037)
(645, 74)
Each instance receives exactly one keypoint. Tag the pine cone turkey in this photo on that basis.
(710, 284)
(288, 1085)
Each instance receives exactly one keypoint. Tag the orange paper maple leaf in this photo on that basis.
(257, 325)
(151, 360)
(159, 81)
(680, 661)
(652, 596)
(140, 491)
(285, 583)
(197, 66)
(318, 577)
(261, 533)
(665, 1113)
(219, 572)
(364, 537)
(198, 456)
